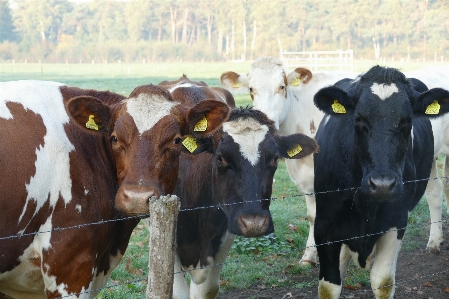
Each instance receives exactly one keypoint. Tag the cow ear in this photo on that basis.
(234, 82)
(432, 103)
(206, 117)
(90, 114)
(333, 100)
(299, 75)
(296, 146)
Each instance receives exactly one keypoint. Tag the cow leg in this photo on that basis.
(433, 196)
(180, 286)
(330, 283)
(446, 181)
(210, 287)
(384, 268)
(301, 172)
(345, 258)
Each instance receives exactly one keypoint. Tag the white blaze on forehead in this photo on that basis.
(384, 91)
(52, 177)
(146, 110)
(181, 85)
(248, 134)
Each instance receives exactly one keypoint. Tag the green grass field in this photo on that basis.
(251, 261)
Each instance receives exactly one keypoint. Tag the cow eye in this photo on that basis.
(113, 139)
(250, 89)
(221, 161)
(274, 161)
(177, 140)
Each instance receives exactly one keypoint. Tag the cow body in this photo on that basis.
(287, 99)
(72, 157)
(374, 138)
(433, 77)
(225, 191)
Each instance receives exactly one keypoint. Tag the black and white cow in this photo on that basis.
(375, 136)
(233, 180)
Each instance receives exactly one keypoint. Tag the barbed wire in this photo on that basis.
(217, 206)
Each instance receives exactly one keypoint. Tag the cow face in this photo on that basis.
(244, 165)
(267, 83)
(144, 134)
(381, 106)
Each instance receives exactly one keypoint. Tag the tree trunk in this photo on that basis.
(184, 27)
(192, 35)
(244, 41)
(253, 42)
(220, 43)
(227, 44)
(173, 12)
(209, 29)
(159, 31)
(233, 40)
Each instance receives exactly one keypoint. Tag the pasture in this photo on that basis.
(267, 263)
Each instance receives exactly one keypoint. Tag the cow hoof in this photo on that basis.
(434, 250)
(308, 263)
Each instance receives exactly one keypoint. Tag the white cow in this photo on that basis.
(436, 77)
(287, 98)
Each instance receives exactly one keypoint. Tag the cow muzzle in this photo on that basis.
(134, 199)
(255, 225)
(382, 185)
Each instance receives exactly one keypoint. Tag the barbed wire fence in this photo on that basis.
(255, 257)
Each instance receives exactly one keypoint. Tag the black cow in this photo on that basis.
(235, 177)
(376, 136)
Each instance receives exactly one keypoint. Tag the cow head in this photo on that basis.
(243, 167)
(268, 85)
(144, 134)
(380, 106)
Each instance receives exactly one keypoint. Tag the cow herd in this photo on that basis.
(72, 156)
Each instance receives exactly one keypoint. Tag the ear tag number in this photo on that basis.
(338, 108)
(190, 144)
(296, 82)
(237, 85)
(294, 151)
(433, 108)
(201, 125)
(91, 123)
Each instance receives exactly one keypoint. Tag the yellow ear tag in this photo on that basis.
(294, 151)
(296, 82)
(237, 85)
(338, 108)
(433, 108)
(201, 125)
(190, 144)
(91, 123)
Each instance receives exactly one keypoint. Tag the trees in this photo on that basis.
(223, 29)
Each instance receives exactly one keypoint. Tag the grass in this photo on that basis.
(268, 261)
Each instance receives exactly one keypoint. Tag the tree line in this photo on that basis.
(193, 30)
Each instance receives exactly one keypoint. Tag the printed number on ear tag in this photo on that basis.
(91, 123)
(237, 85)
(190, 144)
(296, 82)
(338, 108)
(201, 125)
(294, 151)
(433, 108)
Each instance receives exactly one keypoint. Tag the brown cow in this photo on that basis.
(234, 176)
(72, 157)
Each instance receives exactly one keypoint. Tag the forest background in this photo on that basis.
(108, 31)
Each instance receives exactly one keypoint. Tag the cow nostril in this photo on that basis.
(382, 184)
(372, 184)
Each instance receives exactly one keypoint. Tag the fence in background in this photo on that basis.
(342, 60)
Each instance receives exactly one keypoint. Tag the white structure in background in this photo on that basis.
(319, 60)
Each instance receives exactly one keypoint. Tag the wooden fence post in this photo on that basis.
(163, 217)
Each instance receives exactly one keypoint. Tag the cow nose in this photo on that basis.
(134, 199)
(254, 225)
(382, 185)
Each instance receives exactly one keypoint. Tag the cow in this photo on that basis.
(225, 190)
(376, 153)
(432, 77)
(87, 159)
(287, 98)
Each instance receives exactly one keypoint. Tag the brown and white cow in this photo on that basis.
(72, 157)
(224, 190)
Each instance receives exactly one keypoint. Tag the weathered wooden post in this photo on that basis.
(163, 216)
